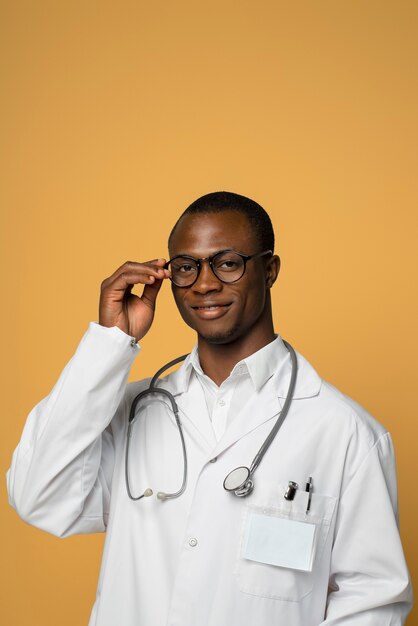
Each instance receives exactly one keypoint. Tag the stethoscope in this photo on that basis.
(240, 480)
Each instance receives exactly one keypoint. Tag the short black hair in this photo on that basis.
(220, 201)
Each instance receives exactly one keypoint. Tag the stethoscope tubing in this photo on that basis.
(152, 389)
(246, 486)
(283, 413)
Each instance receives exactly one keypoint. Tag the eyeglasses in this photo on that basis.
(227, 265)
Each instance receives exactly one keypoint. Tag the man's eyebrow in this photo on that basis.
(187, 254)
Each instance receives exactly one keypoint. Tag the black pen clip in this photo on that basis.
(309, 489)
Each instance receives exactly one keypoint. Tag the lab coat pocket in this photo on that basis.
(281, 545)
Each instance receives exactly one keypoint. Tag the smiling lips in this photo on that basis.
(211, 311)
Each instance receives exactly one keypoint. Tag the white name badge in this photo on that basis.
(279, 541)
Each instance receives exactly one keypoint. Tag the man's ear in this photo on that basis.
(272, 270)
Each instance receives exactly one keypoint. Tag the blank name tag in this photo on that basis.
(278, 541)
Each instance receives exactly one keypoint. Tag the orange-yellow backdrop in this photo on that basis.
(115, 116)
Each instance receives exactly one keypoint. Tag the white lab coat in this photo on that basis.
(179, 562)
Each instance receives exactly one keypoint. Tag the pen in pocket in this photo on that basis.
(309, 489)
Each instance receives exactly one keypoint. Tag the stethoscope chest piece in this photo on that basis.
(238, 481)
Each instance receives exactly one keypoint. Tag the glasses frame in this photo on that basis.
(209, 259)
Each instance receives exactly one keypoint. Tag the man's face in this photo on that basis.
(239, 306)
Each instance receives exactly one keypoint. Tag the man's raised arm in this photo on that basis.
(61, 471)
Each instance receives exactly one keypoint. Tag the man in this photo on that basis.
(314, 543)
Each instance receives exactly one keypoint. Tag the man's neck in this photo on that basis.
(218, 360)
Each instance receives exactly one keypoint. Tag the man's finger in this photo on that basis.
(150, 293)
(155, 266)
(145, 275)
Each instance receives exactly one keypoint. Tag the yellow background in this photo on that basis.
(115, 116)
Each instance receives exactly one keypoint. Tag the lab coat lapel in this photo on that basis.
(267, 403)
(192, 406)
(262, 406)
(194, 415)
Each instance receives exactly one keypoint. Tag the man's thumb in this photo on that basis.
(150, 293)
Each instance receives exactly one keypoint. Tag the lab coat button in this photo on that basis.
(215, 458)
(193, 542)
(133, 343)
(222, 402)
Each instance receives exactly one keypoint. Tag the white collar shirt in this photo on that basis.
(224, 402)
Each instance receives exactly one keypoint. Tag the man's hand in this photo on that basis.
(119, 307)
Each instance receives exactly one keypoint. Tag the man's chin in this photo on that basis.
(220, 337)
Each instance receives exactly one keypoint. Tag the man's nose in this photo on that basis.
(206, 281)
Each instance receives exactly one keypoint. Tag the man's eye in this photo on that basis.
(227, 264)
(185, 268)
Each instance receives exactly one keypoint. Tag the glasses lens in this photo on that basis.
(228, 266)
(183, 271)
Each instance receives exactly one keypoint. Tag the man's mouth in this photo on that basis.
(211, 307)
(211, 311)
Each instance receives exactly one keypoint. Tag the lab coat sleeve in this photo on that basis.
(61, 471)
(369, 582)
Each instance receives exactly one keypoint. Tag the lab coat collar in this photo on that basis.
(264, 405)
